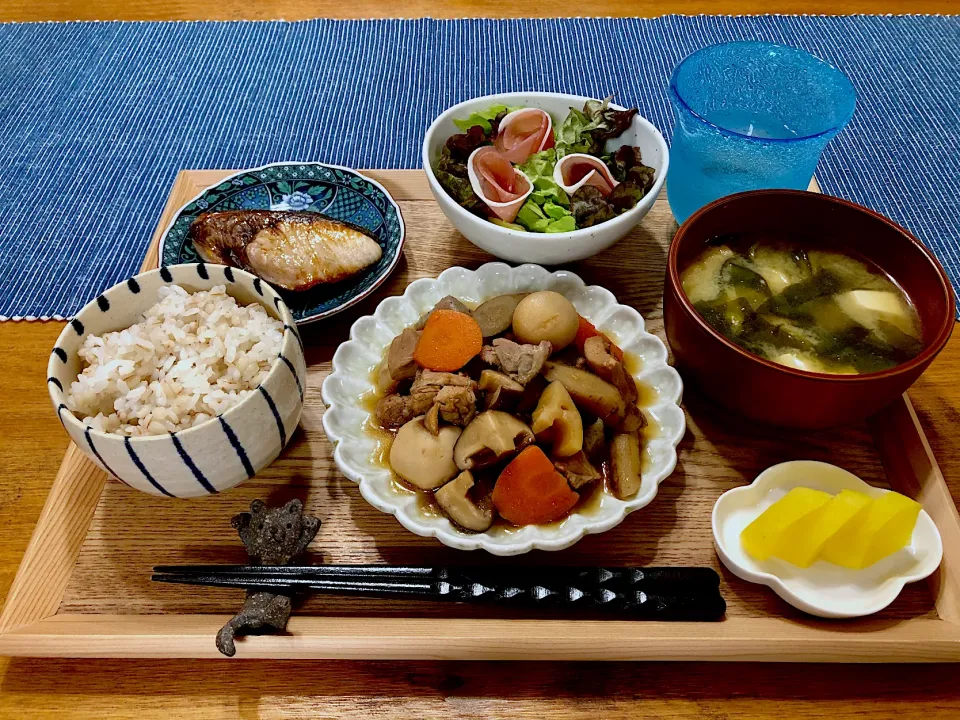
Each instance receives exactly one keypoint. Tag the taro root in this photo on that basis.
(625, 463)
(556, 420)
(546, 316)
(421, 458)
(455, 501)
(589, 392)
(492, 436)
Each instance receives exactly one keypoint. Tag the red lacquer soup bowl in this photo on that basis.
(771, 393)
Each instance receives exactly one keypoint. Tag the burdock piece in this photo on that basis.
(272, 536)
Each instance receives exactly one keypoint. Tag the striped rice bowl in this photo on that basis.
(192, 358)
(181, 381)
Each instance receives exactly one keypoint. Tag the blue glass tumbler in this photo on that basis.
(750, 115)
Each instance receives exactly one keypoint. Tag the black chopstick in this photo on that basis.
(641, 593)
(653, 578)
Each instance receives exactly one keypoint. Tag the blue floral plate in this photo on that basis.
(334, 191)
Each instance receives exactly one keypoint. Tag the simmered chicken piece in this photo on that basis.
(520, 362)
(397, 409)
(508, 419)
(577, 470)
(399, 364)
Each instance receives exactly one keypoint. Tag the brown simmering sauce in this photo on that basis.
(590, 497)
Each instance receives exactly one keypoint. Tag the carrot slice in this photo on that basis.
(448, 342)
(586, 330)
(531, 461)
(530, 491)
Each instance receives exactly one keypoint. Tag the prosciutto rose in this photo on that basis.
(498, 184)
(523, 133)
(574, 171)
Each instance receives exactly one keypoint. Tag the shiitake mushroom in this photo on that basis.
(490, 437)
(455, 501)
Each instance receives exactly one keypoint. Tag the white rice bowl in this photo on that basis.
(194, 356)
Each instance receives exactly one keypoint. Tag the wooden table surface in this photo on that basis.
(33, 445)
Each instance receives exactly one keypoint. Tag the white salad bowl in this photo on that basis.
(347, 414)
(822, 589)
(544, 248)
(209, 457)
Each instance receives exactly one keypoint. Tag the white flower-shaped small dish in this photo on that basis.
(823, 589)
(352, 378)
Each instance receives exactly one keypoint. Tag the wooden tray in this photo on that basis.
(83, 589)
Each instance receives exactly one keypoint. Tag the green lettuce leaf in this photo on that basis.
(574, 134)
(609, 123)
(586, 131)
(554, 211)
(484, 118)
(564, 224)
(549, 218)
(540, 164)
(532, 217)
(539, 168)
(508, 225)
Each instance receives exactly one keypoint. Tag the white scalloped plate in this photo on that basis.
(822, 589)
(351, 379)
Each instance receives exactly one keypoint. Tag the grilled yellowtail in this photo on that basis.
(291, 250)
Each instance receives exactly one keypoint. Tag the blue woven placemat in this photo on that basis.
(97, 118)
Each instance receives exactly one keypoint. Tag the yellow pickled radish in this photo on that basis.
(761, 537)
(885, 527)
(802, 543)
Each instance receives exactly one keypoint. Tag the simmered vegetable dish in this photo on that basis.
(513, 409)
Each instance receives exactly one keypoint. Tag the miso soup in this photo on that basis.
(811, 309)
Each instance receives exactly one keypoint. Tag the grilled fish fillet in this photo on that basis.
(292, 250)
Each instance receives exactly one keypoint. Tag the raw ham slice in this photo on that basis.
(497, 183)
(523, 133)
(574, 171)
